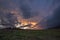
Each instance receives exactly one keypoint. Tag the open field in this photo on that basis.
(18, 34)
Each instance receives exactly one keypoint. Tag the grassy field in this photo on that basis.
(17, 34)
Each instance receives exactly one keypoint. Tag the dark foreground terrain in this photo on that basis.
(18, 34)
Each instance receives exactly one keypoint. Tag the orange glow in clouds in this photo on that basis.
(24, 23)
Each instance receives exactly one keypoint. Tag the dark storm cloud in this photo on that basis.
(55, 20)
(26, 11)
(51, 21)
(44, 9)
(25, 8)
(7, 17)
(8, 20)
(4, 4)
(57, 15)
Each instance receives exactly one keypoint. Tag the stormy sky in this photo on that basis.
(42, 11)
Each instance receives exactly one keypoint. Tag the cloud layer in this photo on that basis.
(35, 10)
